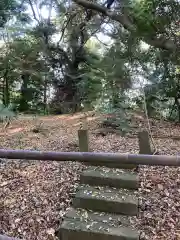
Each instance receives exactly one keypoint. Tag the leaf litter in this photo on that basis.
(35, 195)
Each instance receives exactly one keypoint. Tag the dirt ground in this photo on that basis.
(35, 195)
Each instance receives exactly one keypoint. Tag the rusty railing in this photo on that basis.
(139, 159)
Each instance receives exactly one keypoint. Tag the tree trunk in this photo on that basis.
(2, 86)
(6, 94)
(172, 109)
(23, 103)
(67, 95)
(178, 107)
(178, 112)
(45, 96)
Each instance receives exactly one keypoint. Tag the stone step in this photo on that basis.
(111, 219)
(72, 229)
(102, 176)
(111, 165)
(120, 201)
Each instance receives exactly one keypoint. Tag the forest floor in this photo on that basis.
(35, 195)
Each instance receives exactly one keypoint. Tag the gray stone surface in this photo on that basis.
(111, 165)
(109, 177)
(83, 140)
(144, 143)
(111, 219)
(92, 230)
(107, 200)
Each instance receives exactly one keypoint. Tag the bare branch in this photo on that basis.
(50, 11)
(66, 23)
(22, 3)
(106, 45)
(33, 11)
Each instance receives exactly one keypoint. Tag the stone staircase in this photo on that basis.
(103, 205)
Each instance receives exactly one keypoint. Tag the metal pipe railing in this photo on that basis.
(139, 159)
(3, 237)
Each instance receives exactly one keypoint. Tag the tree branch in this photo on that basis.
(33, 11)
(50, 12)
(123, 19)
(161, 42)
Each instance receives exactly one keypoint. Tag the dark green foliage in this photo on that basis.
(50, 62)
(7, 8)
